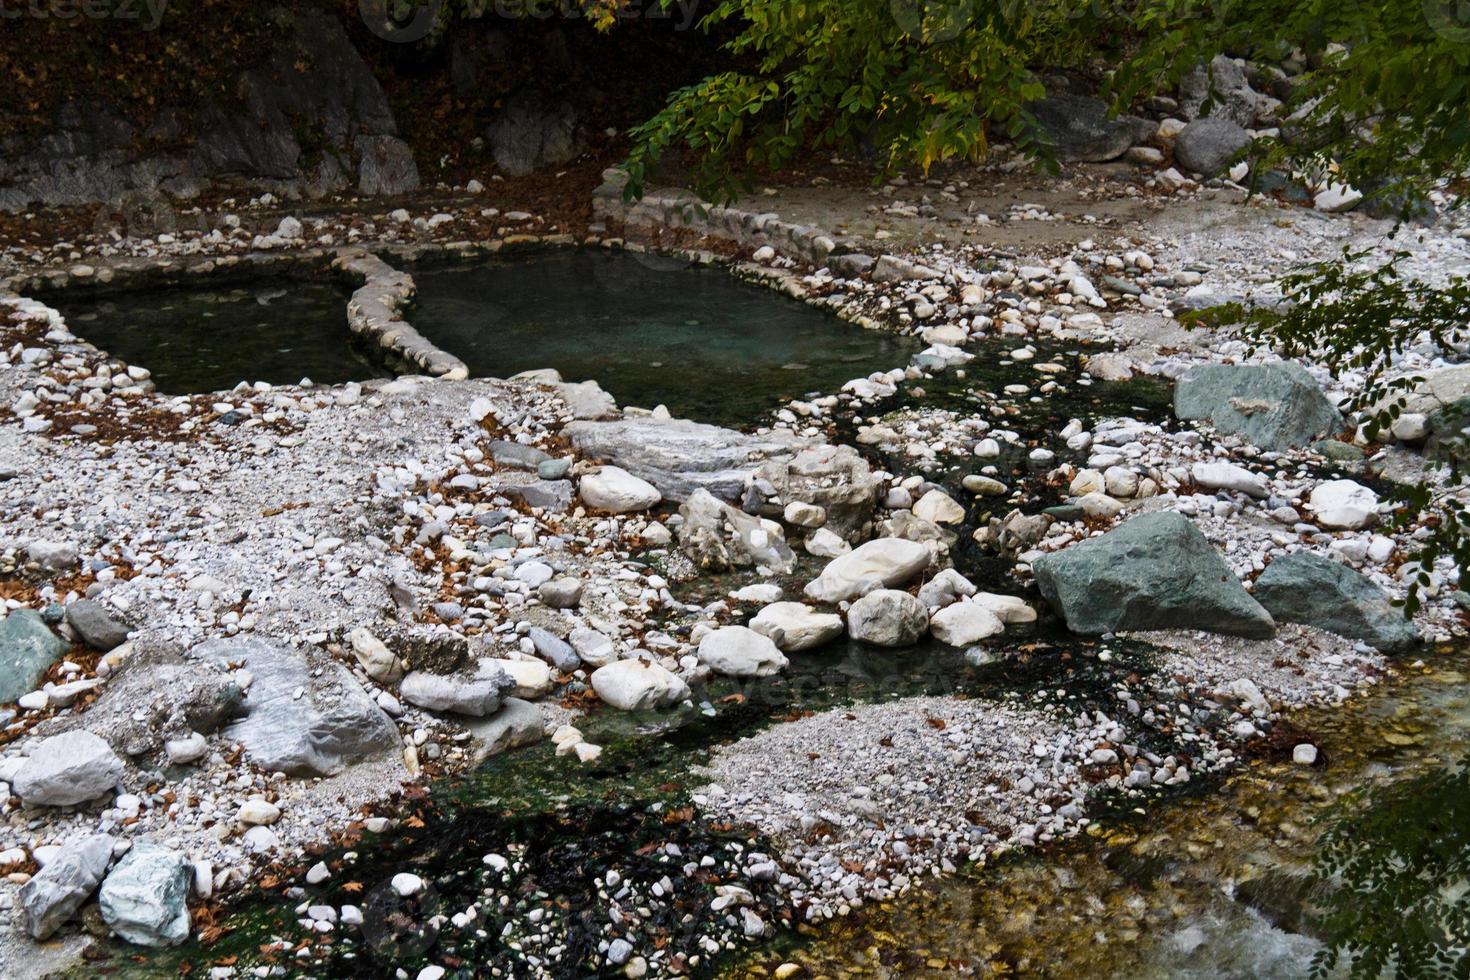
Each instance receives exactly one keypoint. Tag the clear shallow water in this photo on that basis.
(1218, 884)
(649, 330)
(211, 339)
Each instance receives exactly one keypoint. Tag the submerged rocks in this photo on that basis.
(143, 898)
(794, 626)
(888, 618)
(69, 768)
(637, 685)
(1152, 572)
(1344, 505)
(880, 563)
(27, 649)
(299, 720)
(54, 894)
(738, 651)
(1304, 587)
(1275, 406)
(617, 491)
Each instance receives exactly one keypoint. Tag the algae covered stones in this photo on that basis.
(1153, 572)
(1275, 406)
(1303, 587)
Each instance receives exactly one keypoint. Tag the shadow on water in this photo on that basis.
(204, 339)
(568, 824)
(709, 346)
(1252, 878)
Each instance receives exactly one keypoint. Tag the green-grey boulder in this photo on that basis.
(1154, 572)
(1275, 406)
(143, 897)
(27, 649)
(1304, 587)
(71, 876)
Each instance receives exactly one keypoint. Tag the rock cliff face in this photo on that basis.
(311, 118)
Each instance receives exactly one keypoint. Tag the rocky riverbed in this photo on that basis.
(1096, 556)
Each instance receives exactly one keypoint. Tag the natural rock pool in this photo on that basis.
(211, 337)
(650, 330)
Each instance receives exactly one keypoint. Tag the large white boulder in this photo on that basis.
(944, 588)
(964, 623)
(881, 563)
(939, 507)
(69, 768)
(614, 489)
(637, 685)
(888, 618)
(1009, 609)
(794, 626)
(1344, 505)
(738, 651)
(1228, 476)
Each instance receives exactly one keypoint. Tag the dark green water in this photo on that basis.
(649, 330)
(211, 339)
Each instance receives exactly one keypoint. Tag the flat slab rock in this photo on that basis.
(332, 724)
(679, 456)
(1150, 573)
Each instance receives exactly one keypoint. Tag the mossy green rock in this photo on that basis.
(1304, 587)
(1275, 406)
(1339, 452)
(1154, 572)
(27, 649)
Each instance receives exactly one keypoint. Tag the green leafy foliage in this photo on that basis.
(1359, 316)
(1380, 102)
(1394, 871)
(911, 82)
